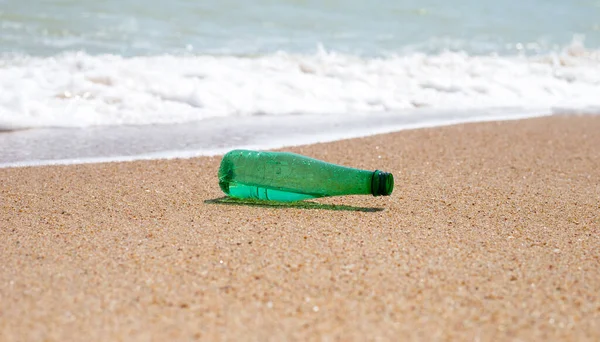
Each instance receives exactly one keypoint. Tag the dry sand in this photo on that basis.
(492, 233)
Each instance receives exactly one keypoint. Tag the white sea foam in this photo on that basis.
(80, 90)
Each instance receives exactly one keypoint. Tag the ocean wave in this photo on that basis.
(76, 89)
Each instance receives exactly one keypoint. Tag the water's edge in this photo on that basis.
(216, 136)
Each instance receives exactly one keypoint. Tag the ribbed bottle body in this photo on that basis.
(284, 176)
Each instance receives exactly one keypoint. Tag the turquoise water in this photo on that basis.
(245, 27)
(125, 79)
(260, 193)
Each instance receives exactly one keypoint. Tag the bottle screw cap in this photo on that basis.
(382, 183)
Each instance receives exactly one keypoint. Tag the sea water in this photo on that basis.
(112, 79)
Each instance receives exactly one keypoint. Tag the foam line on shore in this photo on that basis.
(213, 137)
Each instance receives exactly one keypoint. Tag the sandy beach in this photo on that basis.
(492, 233)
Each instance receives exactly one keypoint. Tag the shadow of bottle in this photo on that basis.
(281, 205)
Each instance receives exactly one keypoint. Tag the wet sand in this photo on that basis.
(492, 233)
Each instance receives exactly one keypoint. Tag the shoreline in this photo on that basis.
(490, 234)
(66, 146)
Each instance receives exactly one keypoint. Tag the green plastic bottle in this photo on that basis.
(289, 177)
